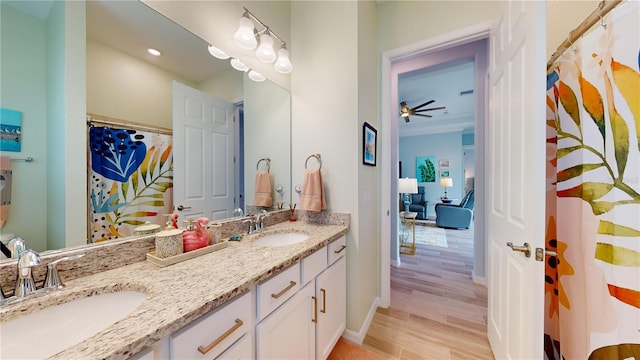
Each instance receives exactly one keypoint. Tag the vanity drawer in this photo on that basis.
(275, 291)
(220, 328)
(313, 265)
(337, 249)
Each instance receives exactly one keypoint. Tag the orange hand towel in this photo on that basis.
(263, 195)
(5, 164)
(312, 196)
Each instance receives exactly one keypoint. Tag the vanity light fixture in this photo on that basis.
(247, 36)
(154, 52)
(238, 65)
(217, 53)
(256, 76)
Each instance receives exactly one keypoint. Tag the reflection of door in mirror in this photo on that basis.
(203, 134)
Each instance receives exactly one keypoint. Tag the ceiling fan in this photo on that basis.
(405, 111)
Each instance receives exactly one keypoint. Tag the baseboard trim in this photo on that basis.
(480, 280)
(357, 337)
(395, 263)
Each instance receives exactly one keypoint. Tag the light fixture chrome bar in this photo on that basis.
(265, 27)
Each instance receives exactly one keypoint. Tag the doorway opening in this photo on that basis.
(469, 43)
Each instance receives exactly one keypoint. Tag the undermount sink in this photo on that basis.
(280, 239)
(46, 332)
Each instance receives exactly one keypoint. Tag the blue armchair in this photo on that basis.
(456, 216)
(419, 203)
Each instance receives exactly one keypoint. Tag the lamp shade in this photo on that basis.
(265, 51)
(244, 36)
(215, 52)
(256, 76)
(238, 65)
(446, 182)
(408, 186)
(283, 63)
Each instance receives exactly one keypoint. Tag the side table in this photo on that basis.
(408, 221)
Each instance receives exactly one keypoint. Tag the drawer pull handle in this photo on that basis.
(291, 284)
(340, 250)
(315, 309)
(203, 350)
(324, 301)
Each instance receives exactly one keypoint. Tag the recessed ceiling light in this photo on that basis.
(154, 52)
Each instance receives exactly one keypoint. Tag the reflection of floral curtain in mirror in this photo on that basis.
(130, 174)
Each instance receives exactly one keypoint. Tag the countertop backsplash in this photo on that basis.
(113, 254)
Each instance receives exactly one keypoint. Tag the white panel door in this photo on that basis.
(331, 292)
(203, 138)
(290, 331)
(516, 180)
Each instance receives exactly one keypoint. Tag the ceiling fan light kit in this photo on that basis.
(246, 37)
(405, 111)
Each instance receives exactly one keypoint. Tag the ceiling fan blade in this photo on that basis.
(423, 115)
(421, 105)
(430, 109)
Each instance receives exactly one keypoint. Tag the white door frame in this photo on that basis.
(389, 158)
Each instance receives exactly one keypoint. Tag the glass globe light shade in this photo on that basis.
(217, 53)
(265, 51)
(283, 64)
(238, 65)
(244, 36)
(256, 76)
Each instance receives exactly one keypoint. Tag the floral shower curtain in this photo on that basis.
(592, 291)
(130, 180)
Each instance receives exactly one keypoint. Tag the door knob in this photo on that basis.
(180, 207)
(525, 248)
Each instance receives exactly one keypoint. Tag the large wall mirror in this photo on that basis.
(126, 83)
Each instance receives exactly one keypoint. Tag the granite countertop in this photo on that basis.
(179, 293)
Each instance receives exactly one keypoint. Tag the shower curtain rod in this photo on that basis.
(603, 8)
(109, 121)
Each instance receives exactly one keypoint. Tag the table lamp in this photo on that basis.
(407, 186)
(446, 182)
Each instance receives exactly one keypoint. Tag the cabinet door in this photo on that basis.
(290, 331)
(331, 291)
(241, 349)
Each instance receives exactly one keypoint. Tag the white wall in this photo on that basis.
(443, 146)
(23, 88)
(562, 17)
(326, 120)
(126, 88)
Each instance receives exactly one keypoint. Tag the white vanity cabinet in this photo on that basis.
(308, 325)
(226, 331)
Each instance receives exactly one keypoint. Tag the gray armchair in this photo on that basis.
(419, 203)
(456, 216)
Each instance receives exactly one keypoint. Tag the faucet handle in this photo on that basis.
(52, 280)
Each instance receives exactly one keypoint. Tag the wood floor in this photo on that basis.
(436, 311)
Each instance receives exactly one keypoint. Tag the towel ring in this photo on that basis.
(317, 156)
(267, 160)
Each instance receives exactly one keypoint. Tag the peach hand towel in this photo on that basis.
(5, 164)
(263, 195)
(312, 196)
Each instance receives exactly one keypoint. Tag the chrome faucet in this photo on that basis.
(16, 246)
(52, 280)
(24, 282)
(260, 219)
(252, 225)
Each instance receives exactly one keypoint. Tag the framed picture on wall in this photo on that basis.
(369, 139)
(443, 164)
(444, 173)
(426, 168)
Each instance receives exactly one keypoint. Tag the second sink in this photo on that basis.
(280, 239)
(59, 327)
